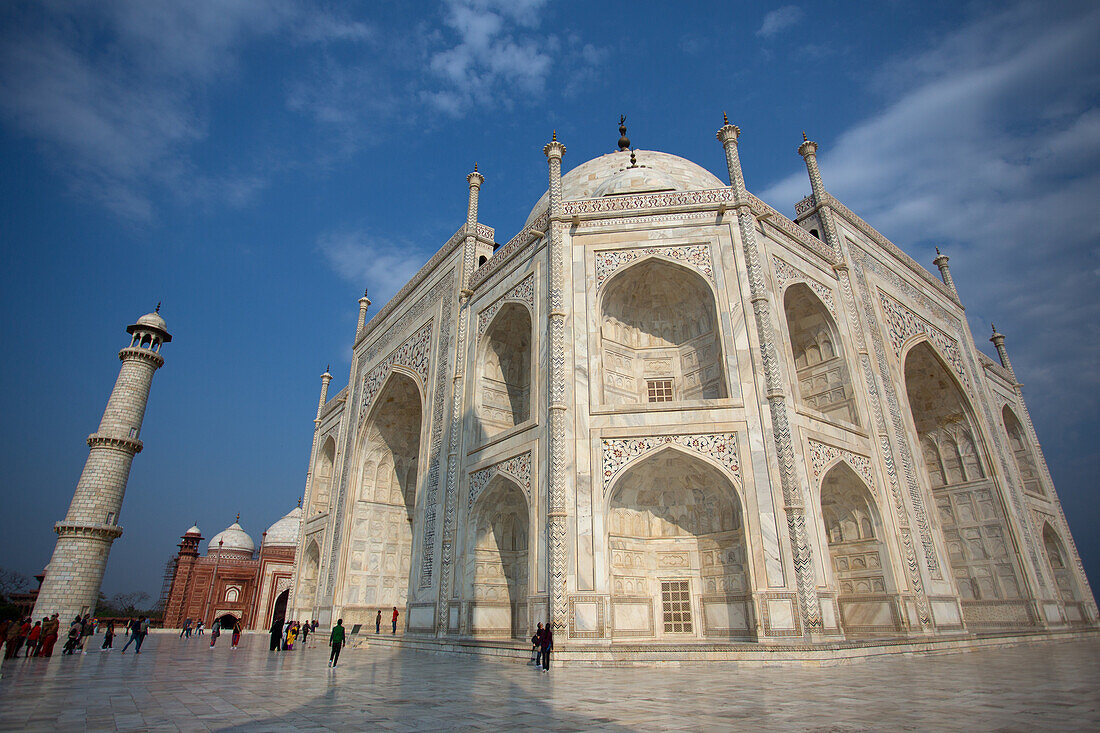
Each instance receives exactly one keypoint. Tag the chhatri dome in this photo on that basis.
(232, 539)
(284, 533)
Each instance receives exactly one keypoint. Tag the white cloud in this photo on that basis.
(379, 263)
(990, 148)
(779, 19)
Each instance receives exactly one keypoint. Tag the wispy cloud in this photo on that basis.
(114, 92)
(381, 263)
(779, 20)
(990, 148)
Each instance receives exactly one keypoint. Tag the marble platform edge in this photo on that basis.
(795, 654)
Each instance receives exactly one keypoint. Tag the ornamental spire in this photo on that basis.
(624, 141)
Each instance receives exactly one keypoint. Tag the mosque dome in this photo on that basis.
(233, 539)
(153, 320)
(284, 533)
(194, 530)
(612, 175)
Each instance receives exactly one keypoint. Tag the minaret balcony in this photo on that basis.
(118, 442)
(108, 532)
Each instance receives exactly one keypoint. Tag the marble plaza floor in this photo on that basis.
(182, 685)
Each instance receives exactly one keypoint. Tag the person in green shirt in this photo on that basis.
(336, 640)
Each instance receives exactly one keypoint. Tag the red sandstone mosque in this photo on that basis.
(232, 581)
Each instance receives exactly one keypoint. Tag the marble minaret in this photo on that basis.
(85, 536)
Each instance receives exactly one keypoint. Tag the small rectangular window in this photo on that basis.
(110, 517)
(676, 604)
(659, 390)
(133, 432)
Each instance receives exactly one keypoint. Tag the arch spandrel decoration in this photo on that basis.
(413, 354)
(618, 453)
(903, 324)
(696, 256)
(823, 456)
(523, 292)
(517, 468)
(786, 273)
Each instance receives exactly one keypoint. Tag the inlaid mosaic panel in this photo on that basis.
(822, 454)
(524, 292)
(786, 273)
(902, 324)
(413, 353)
(517, 468)
(722, 447)
(697, 256)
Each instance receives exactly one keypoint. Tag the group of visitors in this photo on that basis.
(541, 644)
(378, 621)
(37, 639)
(188, 627)
(216, 631)
(285, 634)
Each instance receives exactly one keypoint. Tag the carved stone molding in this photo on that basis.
(786, 273)
(721, 447)
(822, 454)
(647, 201)
(517, 468)
(697, 256)
(523, 292)
(902, 324)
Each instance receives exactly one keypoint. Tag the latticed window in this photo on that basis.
(676, 600)
(660, 390)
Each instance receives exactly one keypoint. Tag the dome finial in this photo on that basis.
(624, 141)
(804, 138)
(725, 120)
(299, 502)
(157, 309)
(238, 519)
(633, 160)
(475, 166)
(554, 137)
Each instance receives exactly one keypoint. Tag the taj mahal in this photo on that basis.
(665, 418)
(672, 421)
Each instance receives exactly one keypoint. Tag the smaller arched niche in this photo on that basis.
(322, 477)
(497, 562)
(824, 382)
(1059, 564)
(307, 585)
(1021, 450)
(659, 336)
(504, 374)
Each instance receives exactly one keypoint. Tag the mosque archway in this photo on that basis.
(678, 557)
(821, 369)
(226, 621)
(980, 546)
(383, 502)
(659, 336)
(1059, 568)
(504, 373)
(858, 554)
(278, 612)
(498, 561)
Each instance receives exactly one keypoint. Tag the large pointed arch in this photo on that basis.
(307, 581)
(659, 335)
(824, 381)
(980, 545)
(498, 560)
(504, 372)
(678, 560)
(382, 501)
(1060, 565)
(859, 555)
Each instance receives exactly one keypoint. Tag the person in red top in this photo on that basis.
(33, 638)
(395, 619)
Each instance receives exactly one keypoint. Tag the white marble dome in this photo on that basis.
(153, 320)
(233, 539)
(194, 530)
(610, 175)
(284, 533)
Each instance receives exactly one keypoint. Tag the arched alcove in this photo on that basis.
(278, 612)
(497, 561)
(824, 381)
(322, 477)
(858, 552)
(382, 506)
(972, 516)
(504, 373)
(677, 551)
(1059, 564)
(1021, 450)
(307, 584)
(659, 336)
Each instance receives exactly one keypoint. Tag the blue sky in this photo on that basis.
(255, 165)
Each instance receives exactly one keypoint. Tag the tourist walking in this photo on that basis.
(547, 645)
(75, 630)
(378, 622)
(108, 637)
(292, 636)
(395, 619)
(186, 630)
(236, 633)
(17, 629)
(87, 628)
(138, 630)
(276, 633)
(336, 640)
(215, 631)
(34, 640)
(536, 646)
(305, 633)
(200, 626)
(50, 629)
